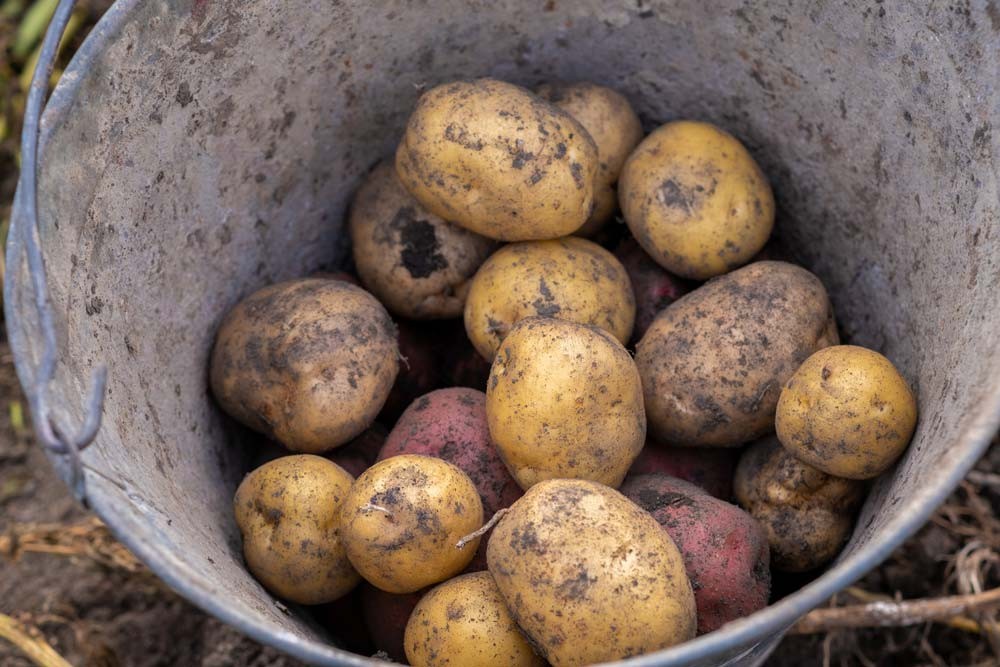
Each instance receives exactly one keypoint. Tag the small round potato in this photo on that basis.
(614, 127)
(465, 621)
(451, 425)
(846, 411)
(496, 159)
(288, 511)
(589, 575)
(806, 513)
(713, 363)
(417, 264)
(571, 278)
(695, 200)
(307, 362)
(403, 518)
(565, 400)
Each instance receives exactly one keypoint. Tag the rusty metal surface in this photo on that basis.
(195, 151)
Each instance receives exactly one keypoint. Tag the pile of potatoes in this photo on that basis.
(517, 428)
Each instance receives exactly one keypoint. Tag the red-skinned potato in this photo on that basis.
(385, 615)
(463, 365)
(345, 621)
(359, 454)
(450, 424)
(419, 367)
(725, 551)
(655, 287)
(710, 469)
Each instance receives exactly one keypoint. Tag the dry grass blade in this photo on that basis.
(963, 623)
(485, 528)
(31, 644)
(89, 538)
(883, 613)
(970, 568)
(984, 478)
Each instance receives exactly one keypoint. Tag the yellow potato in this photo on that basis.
(307, 362)
(418, 265)
(564, 400)
(571, 279)
(695, 200)
(465, 621)
(806, 514)
(714, 361)
(614, 127)
(589, 575)
(496, 159)
(288, 512)
(403, 518)
(846, 411)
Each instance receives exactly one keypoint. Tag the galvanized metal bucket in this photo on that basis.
(197, 149)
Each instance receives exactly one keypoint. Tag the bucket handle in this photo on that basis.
(54, 436)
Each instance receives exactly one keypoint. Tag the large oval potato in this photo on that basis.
(417, 264)
(589, 575)
(713, 363)
(465, 622)
(616, 130)
(403, 518)
(725, 551)
(695, 199)
(846, 411)
(806, 513)
(307, 362)
(565, 400)
(571, 278)
(288, 512)
(496, 159)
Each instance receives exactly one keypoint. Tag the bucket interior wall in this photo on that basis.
(212, 147)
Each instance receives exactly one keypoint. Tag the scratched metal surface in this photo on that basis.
(196, 151)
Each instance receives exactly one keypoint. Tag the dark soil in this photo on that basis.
(91, 613)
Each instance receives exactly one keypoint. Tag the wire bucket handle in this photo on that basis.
(56, 437)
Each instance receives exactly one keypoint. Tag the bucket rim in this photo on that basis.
(763, 627)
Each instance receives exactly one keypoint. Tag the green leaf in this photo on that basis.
(11, 8)
(74, 23)
(32, 27)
